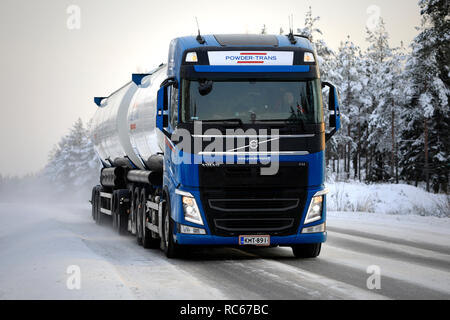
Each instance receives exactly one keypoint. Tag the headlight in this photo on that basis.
(315, 207)
(190, 208)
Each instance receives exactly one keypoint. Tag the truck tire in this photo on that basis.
(137, 211)
(99, 216)
(307, 250)
(114, 209)
(93, 204)
(168, 245)
(133, 206)
(148, 242)
(123, 209)
(120, 211)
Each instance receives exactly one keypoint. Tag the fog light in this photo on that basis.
(191, 230)
(316, 229)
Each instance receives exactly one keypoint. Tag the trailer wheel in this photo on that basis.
(168, 245)
(308, 250)
(137, 213)
(122, 211)
(133, 207)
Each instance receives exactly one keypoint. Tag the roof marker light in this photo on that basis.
(309, 57)
(191, 57)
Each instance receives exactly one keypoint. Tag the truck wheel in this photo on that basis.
(122, 212)
(137, 215)
(114, 209)
(95, 203)
(132, 213)
(148, 242)
(168, 245)
(94, 193)
(100, 218)
(308, 250)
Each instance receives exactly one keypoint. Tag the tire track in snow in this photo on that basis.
(356, 276)
(444, 249)
(391, 250)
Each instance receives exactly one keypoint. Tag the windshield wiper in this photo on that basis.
(239, 121)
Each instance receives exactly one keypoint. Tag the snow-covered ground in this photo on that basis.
(39, 242)
(398, 199)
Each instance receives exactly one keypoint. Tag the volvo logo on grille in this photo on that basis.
(254, 144)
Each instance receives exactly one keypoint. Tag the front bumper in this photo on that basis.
(187, 239)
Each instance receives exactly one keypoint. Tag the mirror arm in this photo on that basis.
(328, 135)
(169, 82)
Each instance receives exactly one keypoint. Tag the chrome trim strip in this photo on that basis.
(254, 136)
(322, 192)
(267, 153)
(183, 193)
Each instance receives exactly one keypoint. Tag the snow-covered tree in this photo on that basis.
(73, 163)
(325, 54)
(426, 138)
(386, 85)
(349, 67)
(264, 29)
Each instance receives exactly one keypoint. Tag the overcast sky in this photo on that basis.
(49, 73)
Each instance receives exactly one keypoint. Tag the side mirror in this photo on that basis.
(333, 106)
(162, 117)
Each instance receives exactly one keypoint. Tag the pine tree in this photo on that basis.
(428, 116)
(324, 53)
(351, 85)
(264, 29)
(386, 84)
(73, 162)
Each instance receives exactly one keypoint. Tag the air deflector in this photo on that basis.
(246, 40)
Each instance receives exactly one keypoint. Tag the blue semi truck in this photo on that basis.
(222, 146)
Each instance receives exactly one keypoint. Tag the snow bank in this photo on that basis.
(386, 198)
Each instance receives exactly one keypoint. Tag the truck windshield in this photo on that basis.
(252, 101)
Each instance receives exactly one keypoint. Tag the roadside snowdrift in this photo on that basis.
(386, 198)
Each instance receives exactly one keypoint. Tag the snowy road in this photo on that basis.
(38, 244)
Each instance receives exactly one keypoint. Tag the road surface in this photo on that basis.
(40, 246)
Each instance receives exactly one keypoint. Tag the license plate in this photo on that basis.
(254, 240)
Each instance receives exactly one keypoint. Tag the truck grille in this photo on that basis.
(253, 225)
(252, 205)
(292, 175)
(238, 200)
